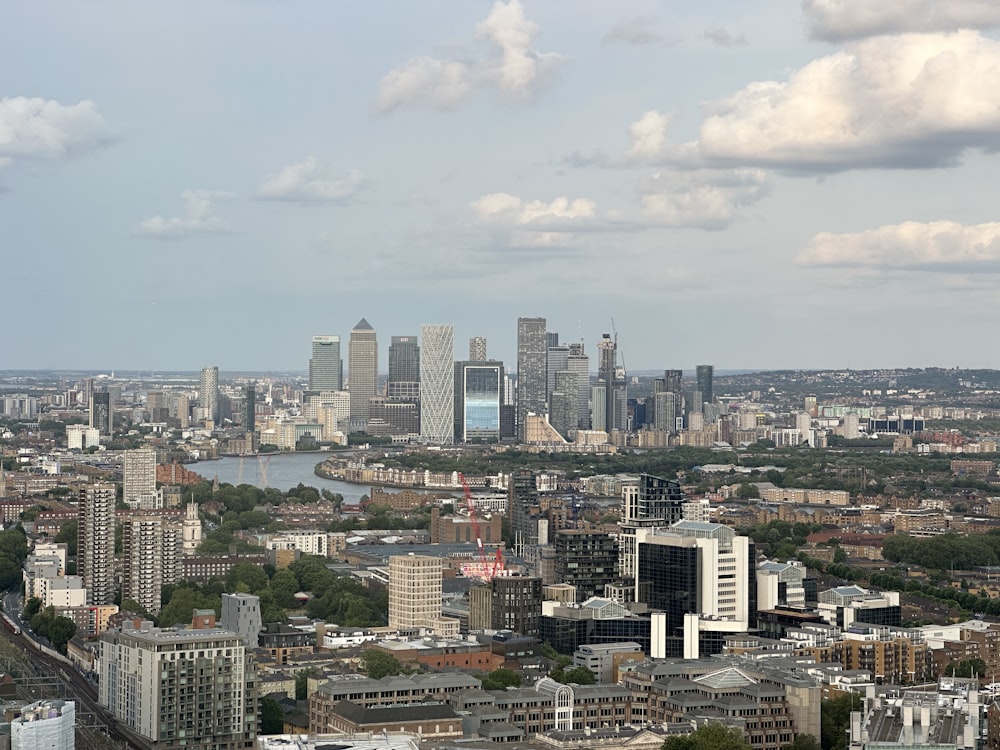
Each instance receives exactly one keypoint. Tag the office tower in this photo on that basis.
(248, 415)
(44, 725)
(139, 478)
(437, 384)
(208, 394)
(183, 404)
(701, 576)
(415, 594)
(579, 363)
(653, 502)
(615, 396)
(404, 369)
(672, 380)
(241, 615)
(362, 362)
(101, 413)
(87, 392)
(532, 379)
(194, 688)
(507, 603)
(587, 560)
(477, 349)
(191, 530)
(551, 339)
(564, 413)
(556, 359)
(665, 411)
(478, 397)
(151, 550)
(326, 368)
(703, 376)
(96, 543)
(522, 509)
(157, 406)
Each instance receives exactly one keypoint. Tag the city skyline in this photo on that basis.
(824, 172)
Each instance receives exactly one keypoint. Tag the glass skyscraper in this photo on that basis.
(478, 396)
(404, 368)
(437, 384)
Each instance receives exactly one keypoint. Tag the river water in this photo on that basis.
(284, 471)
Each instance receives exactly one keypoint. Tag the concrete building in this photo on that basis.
(80, 437)
(415, 595)
(326, 368)
(604, 659)
(151, 552)
(362, 369)
(477, 349)
(437, 384)
(96, 542)
(179, 689)
(241, 615)
(844, 605)
(507, 603)
(781, 585)
(208, 394)
(191, 530)
(44, 725)
(139, 478)
(532, 377)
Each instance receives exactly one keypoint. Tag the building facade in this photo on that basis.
(362, 369)
(326, 368)
(437, 384)
(532, 376)
(96, 542)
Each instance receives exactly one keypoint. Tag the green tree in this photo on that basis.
(708, 737)
(501, 679)
(302, 682)
(67, 535)
(272, 718)
(250, 575)
(283, 587)
(378, 664)
(835, 718)
(803, 742)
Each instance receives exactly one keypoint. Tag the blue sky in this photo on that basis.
(758, 185)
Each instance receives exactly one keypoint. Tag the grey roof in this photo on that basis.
(363, 325)
(362, 716)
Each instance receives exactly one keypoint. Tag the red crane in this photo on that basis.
(487, 573)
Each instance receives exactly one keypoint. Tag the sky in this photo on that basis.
(757, 185)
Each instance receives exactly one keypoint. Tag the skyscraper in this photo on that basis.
(101, 413)
(437, 383)
(248, 417)
(404, 369)
(563, 407)
(208, 393)
(477, 349)
(556, 359)
(415, 594)
(532, 378)
(614, 384)
(672, 381)
(362, 369)
(326, 368)
(96, 543)
(653, 503)
(478, 397)
(579, 363)
(704, 375)
(151, 551)
(522, 509)
(139, 478)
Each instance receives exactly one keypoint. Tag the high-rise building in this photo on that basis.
(507, 603)
(139, 478)
(564, 410)
(326, 368)
(151, 551)
(587, 560)
(579, 363)
(672, 380)
(362, 369)
(556, 359)
(191, 530)
(102, 413)
(95, 555)
(437, 384)
(404, 369)
(241, 614)
(44, 725)
(653, 502)
(208, 394)
(613, 379)
(477, 349)
(704, 375)
(248, 415)
(415, 594)
(478, 396)
(702, 577)
(532, 378)
(522, 509)
(190, 689)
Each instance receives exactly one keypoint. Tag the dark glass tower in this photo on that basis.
(404, 368)
(704, 375)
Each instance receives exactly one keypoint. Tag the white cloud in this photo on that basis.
(198, 217)
(504, 59)
(706, 199)
(647, 137)
(917, 100)
(40, 129)
(937, 246)
(507, 208)
(306, 182)
(634, 31)
(842, 20)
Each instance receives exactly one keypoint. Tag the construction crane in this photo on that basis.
(486, 572)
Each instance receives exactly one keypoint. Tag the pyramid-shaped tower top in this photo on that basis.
(363, 325)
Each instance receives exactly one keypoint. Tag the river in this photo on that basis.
(284, 471)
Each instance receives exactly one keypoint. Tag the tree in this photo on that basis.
(67, 535)
(249, 574)
(708, 737)
(302, 683)
(283, 587)
(501, 679)
(272, 718)
(378, 664)
(835, 717)
(580, 676)
(803, 742)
